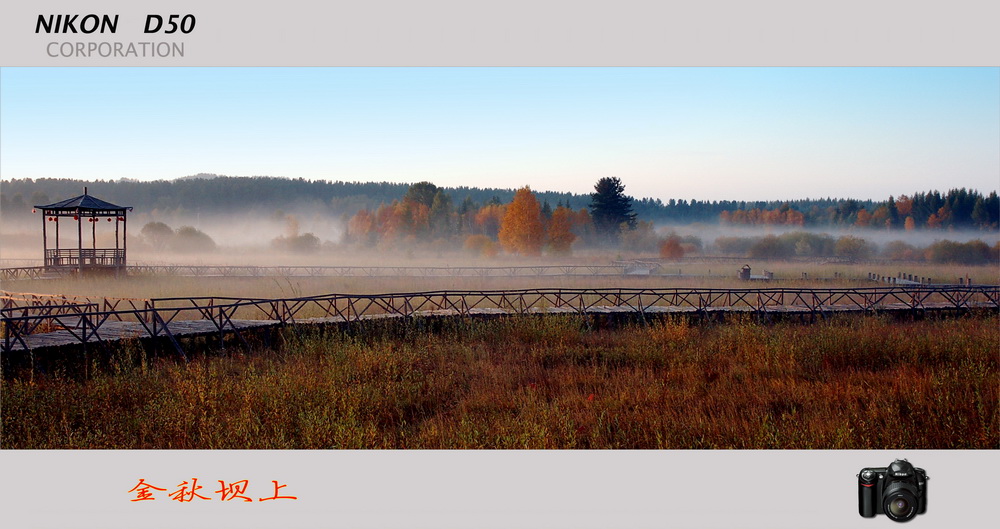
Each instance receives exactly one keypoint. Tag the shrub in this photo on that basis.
(188, 239)
(481, 245)
(771, 247)
(305, 243)
(853, 248)
(641, 239)
(901, 250)
(157, 234)
(971, 253)
(739, 246)
(671, 248)
(805, 244)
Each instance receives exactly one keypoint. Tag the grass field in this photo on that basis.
(696, 274)
(542, 382)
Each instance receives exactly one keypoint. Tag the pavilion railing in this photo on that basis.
(77, 257)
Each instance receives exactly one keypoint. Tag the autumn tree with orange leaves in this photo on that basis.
(560, 236)
(670, 248)
(521, 230)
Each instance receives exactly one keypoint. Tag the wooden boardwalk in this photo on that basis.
(36, 322)
(116, 331)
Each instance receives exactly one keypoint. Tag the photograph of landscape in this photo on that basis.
(500, 258)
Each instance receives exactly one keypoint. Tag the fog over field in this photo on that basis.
(253, 239)
(709, 233)
(239, 233)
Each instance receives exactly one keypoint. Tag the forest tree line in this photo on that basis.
(523, 226)
(956, 209)
(208, 194)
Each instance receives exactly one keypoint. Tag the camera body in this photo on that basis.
(898, 491)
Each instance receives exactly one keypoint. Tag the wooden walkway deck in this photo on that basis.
(116, 331)
(37, 322)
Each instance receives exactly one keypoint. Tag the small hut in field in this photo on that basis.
(85, 215)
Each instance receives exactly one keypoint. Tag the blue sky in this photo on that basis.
(692, 133)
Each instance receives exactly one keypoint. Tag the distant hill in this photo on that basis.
(199, 176)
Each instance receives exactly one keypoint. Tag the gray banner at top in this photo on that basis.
(509, 33)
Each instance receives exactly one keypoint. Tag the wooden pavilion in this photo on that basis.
(90, 209)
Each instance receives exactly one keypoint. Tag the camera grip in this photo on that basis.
(866, 498)
(923, 496)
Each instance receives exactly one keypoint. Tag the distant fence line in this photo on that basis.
(36, 321)
(624, 268)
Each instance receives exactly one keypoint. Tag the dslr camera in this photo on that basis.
(898, 491)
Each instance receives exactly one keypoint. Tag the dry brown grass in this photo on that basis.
(543, 382)
(820, 275)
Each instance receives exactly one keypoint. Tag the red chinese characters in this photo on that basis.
(188, 491)
(143, 491)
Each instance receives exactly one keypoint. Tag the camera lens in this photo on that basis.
(899, 507)
(900, 501)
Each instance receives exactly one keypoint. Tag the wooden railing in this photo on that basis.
(23, 315)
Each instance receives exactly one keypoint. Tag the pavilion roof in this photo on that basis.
(83, 202)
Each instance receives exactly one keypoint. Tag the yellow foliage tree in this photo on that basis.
(521, 230)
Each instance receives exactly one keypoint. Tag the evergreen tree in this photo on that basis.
(992, 203)
(546, 211)
(893, 213)
(610, 208)
(440, 215)
(980, 215)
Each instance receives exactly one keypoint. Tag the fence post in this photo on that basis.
(222, 335)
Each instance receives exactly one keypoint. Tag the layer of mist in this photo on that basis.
(316, 238)
(709, 233)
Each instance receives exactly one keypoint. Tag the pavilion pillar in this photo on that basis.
(45, 239)
(79, 241)
(124, 237)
